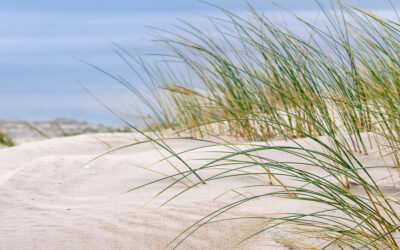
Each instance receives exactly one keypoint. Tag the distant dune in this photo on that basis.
(24, 131)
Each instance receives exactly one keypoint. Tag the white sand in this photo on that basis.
(50, 199)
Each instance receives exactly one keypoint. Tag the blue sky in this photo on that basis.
(39, 76)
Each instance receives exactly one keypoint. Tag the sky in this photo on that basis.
(40, 41)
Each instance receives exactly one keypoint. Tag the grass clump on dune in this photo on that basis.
(336, 85)
(6, 140)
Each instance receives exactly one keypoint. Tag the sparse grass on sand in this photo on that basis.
(338, 86)
(6, 140)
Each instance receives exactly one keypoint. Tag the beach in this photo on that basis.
(51, 197)
(242, 127)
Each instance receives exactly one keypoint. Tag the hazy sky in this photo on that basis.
(39, 77)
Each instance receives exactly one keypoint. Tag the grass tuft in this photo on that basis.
(6, 140)
(336, 85)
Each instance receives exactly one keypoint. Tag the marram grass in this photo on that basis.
(6, 140)
(336, 85)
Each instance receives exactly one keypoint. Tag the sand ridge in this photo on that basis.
(50, 198)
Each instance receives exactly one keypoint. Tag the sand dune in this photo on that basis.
(50, 198)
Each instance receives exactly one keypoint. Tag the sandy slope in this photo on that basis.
(51, 199)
